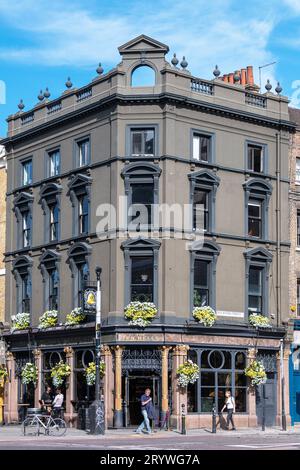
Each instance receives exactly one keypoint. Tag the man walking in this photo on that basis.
(146, 404)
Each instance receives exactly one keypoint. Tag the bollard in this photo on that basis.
(183, 419)
(214, 420)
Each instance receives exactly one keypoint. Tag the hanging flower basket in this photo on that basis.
(3, 374)
(259, 320)
(75, 317)
(29, 374)
(205, 315)
(187, 373)
(21, 321)
(90, 372)
(256, 372)
(140, 313)
(48, 319)
(59, 373)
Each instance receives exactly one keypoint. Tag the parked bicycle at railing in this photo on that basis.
(42, 423)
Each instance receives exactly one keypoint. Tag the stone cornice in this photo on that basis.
(211, 108)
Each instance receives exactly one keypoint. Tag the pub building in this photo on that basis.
(151, 132)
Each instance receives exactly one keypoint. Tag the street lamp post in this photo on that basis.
(97, 416)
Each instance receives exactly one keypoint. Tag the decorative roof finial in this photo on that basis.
(184, 63)
(278, 88)
(236, 76)
(268, 86)
(216, 72)
(99, 69)
(46, 93)
(174, 60)
(68, 83)
(21, 105)
(41, 95)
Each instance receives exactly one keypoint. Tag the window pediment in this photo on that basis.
(49, 256)
(79, 182)
(204, 177)
(208, 247)
(140, 242)
(23, 261)
(141, 169)
(79, 249)
(23, 198)
(257, 185)
(259, 254)
(49, 190)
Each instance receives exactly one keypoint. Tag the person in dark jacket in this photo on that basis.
(146, 407)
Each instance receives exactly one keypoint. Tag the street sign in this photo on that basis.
(89, 299)
(2, 352)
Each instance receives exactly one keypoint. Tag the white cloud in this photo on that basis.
(61, 33)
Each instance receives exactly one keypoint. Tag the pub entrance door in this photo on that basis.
(135, 386)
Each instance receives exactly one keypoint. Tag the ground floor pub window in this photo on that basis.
(50, 359)
(83, 391)
(220, 370)
(25, 397)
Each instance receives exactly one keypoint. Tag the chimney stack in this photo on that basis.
(250, 78)
(243, 77)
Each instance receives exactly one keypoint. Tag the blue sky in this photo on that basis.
(42, 43)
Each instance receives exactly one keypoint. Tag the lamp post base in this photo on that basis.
(97, 417)
(118, 419)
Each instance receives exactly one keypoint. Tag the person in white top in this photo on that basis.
(230, 406)
(58, 402)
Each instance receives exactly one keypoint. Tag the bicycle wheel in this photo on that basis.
(57, 427)
(30, 426)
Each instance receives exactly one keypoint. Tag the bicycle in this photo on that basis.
(52, 426)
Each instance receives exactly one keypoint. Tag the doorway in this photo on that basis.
(270, 401)
(134, 387)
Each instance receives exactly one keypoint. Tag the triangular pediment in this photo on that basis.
(140, 243)
(258, 254)
(143, 43)
(79, 180)
(49, 255)
(23, 198)
(204, 176)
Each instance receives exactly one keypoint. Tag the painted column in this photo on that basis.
(11, 391)
(286, 393)
(37, 354)
(118, 414)
(252, 420)
(179, 394)
(70, 415)
(164, 381)
(108, 385)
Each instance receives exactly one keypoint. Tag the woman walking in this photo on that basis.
(230, 407)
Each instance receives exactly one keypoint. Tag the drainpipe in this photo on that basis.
(278, 231)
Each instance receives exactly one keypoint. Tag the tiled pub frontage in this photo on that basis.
(136, 360)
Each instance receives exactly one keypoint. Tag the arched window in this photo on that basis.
(143, 75)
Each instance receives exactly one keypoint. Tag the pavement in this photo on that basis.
(11, 438)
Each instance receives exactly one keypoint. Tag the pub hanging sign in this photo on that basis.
(89, 299)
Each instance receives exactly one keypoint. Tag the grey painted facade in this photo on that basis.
(110, 109)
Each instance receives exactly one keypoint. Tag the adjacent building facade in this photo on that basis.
(179, 140)
(294, 284)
